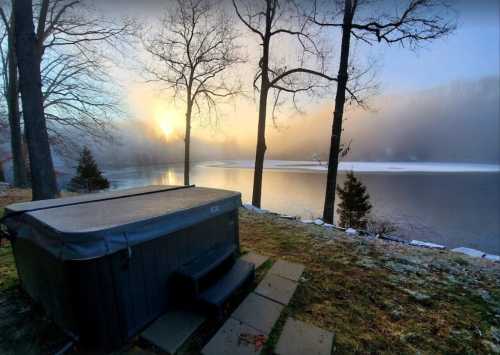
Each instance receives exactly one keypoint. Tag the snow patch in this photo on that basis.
(470, 252)
(252, 208)
(318, 222)
(419, 243)
(351, 231)
(361, 166)
(492, 257)
(307, 221)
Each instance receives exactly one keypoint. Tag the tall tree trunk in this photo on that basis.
(16, 137)
(42, 169)
(261, 146)
(2, 175)
(261, 129)
(187, 142)
(333, 160)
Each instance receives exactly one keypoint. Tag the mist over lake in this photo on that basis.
(457, 206)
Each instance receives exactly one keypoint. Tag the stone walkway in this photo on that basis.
(255, 259)
(172, 329)
(298, 338)
(247, 329)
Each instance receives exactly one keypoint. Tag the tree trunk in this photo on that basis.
(261, 130)
(261, 146)
(333, 160)
(2, 175)
(187, 142)
(42, 169)
(16, 137)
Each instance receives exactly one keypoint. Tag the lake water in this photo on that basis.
(450, 207)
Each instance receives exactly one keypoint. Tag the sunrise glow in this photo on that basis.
(164, 122)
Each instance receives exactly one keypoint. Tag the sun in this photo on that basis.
(164, 120)
(166, 126)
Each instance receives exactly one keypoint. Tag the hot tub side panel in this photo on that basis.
(116, 296)
(44, 278)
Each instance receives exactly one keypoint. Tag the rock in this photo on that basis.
(287, 216)
(351, 232)
(307, 221)
(328, 225)
(419, 243)
(395, 314)
(469, 251)
(318, 222)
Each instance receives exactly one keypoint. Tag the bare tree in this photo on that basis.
(417, 21)
(42, 169)
(10, 92)
(277, 19)
(74, 46)
(193, 50)
(75, 43)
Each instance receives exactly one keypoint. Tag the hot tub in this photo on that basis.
(101, 264)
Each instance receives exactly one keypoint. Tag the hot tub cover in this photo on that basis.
(90, 226)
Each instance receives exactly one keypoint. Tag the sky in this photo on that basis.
(471, 52)
(467, 59)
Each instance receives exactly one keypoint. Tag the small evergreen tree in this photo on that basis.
(354, 203)
(88, 176)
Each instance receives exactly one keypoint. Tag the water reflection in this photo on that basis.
(455, 209)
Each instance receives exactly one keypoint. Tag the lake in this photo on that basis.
(451, 204)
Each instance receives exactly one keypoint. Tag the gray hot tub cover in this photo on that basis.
(90, 226)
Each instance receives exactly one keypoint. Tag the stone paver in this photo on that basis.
(300, 338)
(245, 332)
(286, 269)
(258, 312)
(234, 338)
(135, 351)
(276, 288)
(172, 329)
(255, 259)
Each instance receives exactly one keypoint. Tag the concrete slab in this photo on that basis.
(172, 329)
(258, 312)
(276, 288)
(136, 351)
(286, 269)
(300, 338)
(235, 338)
(255, 259)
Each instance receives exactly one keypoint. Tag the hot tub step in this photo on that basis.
(213, 298)
(202, 272)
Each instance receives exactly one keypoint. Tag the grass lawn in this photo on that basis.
(377, 297)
